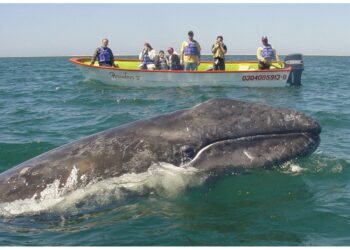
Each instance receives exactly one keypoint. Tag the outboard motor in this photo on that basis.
(296, 62)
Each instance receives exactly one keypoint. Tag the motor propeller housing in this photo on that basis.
(297, 63)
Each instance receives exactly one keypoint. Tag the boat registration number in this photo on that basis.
(263, 77)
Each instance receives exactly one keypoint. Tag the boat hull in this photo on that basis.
(159, 78)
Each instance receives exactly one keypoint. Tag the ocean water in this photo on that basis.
(45, 103)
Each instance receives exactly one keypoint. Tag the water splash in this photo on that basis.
(161, 179)
(292, 168)
(318, 164)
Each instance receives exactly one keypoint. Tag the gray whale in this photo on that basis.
(214, 135)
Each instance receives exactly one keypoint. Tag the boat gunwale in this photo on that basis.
(77, 60)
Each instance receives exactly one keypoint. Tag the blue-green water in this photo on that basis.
(45, 103)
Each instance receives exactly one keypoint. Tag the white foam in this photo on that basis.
(162, 179)
(296, 169)
(338, 168)
(292, 168)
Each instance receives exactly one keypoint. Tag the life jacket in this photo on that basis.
(267, 52)
(104, 55)
(191, 49)
(146, 59)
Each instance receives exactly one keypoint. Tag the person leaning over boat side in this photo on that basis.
(161, 61)
(190, 53)
(104, 55)
(147, 57)
(173, 59)
(219, 50)
(266, 54)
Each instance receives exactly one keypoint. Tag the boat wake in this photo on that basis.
(161, 179)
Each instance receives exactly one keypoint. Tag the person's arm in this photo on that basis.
(214, 48)
(224, 48)
(182, 52)
(141, 54)
(152, 54)
(156, 61)
(258, 55)
(94, 57)
(199, 52)
(112, 58)
(167, 60)
(221, 48)
(276, 55)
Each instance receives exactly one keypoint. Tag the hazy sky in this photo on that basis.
(77, 29)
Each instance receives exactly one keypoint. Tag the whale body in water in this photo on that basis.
(215, 135)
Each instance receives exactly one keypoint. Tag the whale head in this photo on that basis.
(241, 134)
(223, 133)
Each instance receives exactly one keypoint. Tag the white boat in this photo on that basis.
(237, 73)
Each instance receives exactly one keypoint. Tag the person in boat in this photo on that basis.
(173, 59)
(266, 54)
(104, 55)
(161, 61)
(190, 53)
(147, 57)
(219, 50)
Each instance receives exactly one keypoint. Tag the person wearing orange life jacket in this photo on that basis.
(266, 54)
(190, 53)
(104, 55)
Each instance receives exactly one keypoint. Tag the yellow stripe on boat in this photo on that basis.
(204, 66)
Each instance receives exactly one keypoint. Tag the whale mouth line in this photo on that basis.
(267, 136)
(309, 135)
